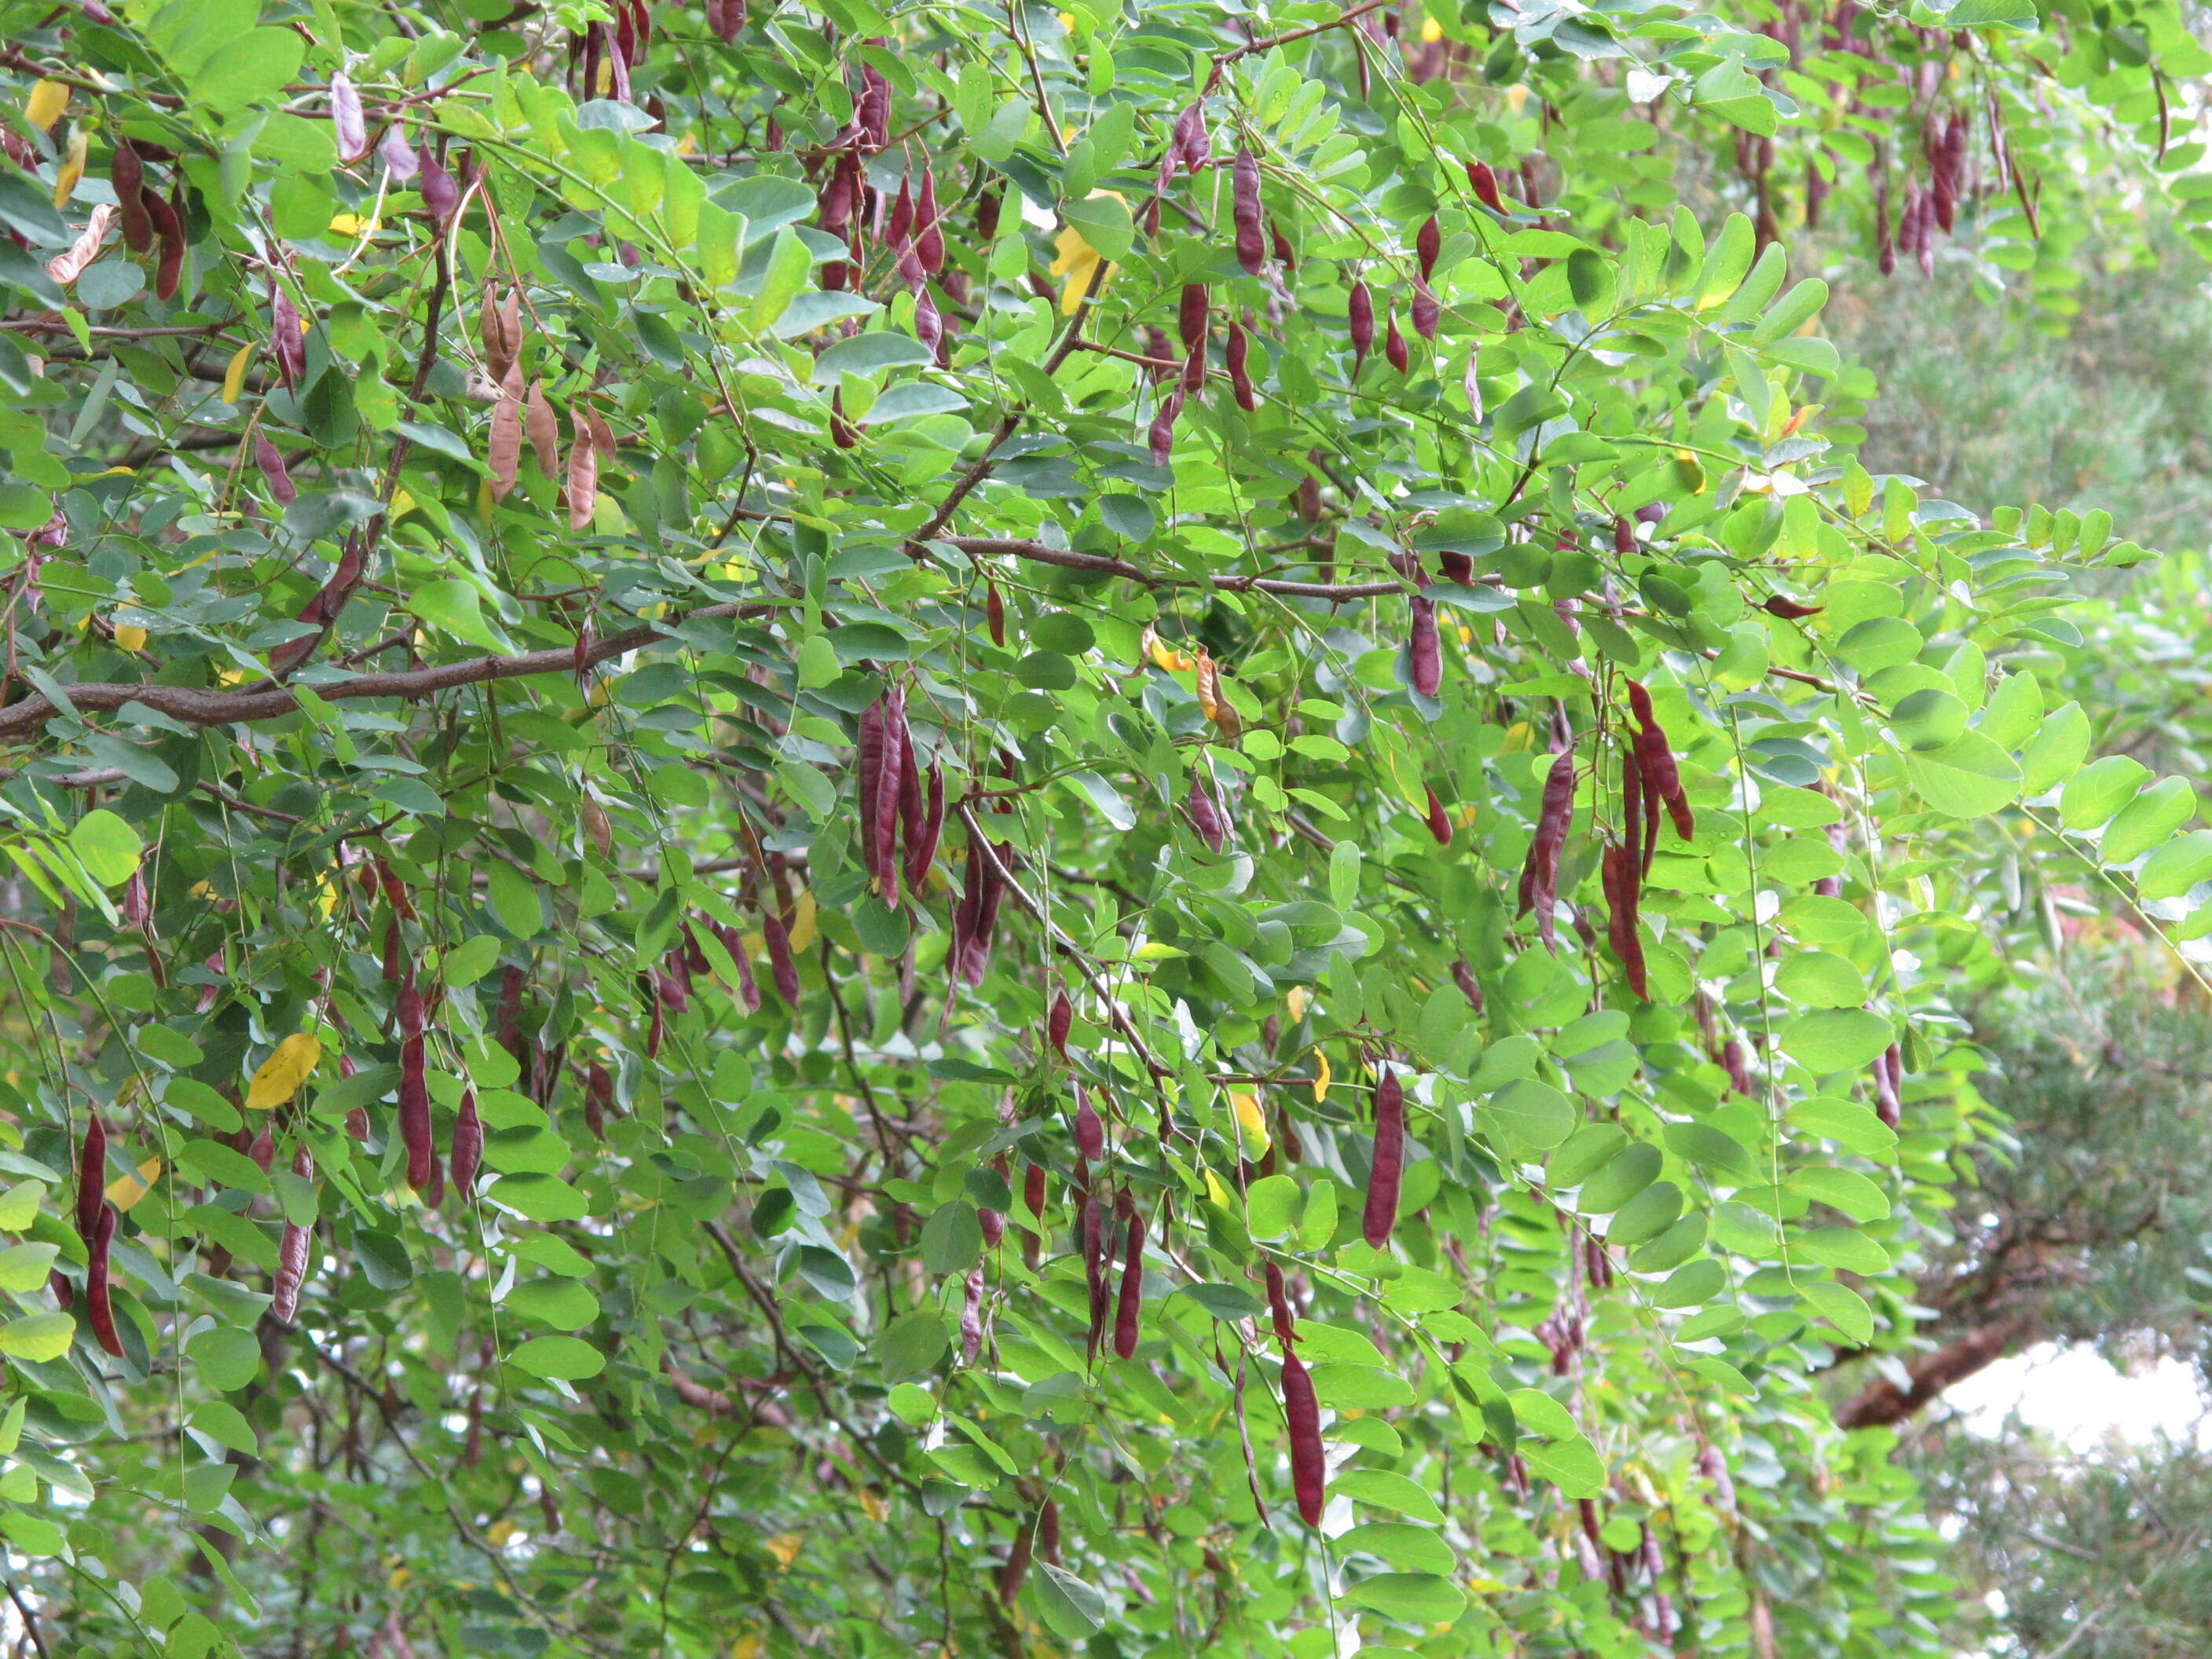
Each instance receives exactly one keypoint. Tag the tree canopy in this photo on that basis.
(974, 829)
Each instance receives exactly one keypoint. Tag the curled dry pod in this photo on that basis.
(581, 489)
(1393, 345)
(1090, 1127)
(1439, 821)
(994, 614)
(468, 1145)
(98, 1309)
(543, 428)
(347, 126)
(1130, 1308)
(91, 1178)
(1302, 1417)
(503, 450)
(1278, 1307)
(1383, 1182)
(1240, 374)
(1058, 1022)
(1190, 317)
(1360, 313)
(293, 1251)
(1206, 816)
(415, 1114)
(126, 173)
(1424, 649)
(1251, 232)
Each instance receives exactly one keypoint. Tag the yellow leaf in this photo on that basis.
(402, 502)
(1077, 260)
(283, 1072)
(784, 1548)
(1432, 32)
(876, 1508)
(348, 224)
(234, 378)
(48, 102)
(805, 927)
(747, 1646)
(131, 636)
(1165, 657)
(399, 1575)
(1215, 1192)
(1517, 97)
(126, 1190)
(499, 1531)
(1251, 1125)
(326, 895)
(230, 676)
(1320, 1075)
(1294, 1000)
(72, 168)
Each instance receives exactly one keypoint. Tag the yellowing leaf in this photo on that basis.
(283, 1072)
(131, 636)
(747, 1646)
(805, 927)
(1320, 1075)
(234, 378)
(48, 102)
(1294, 1000)
(1078, 262)
(784, 1548)
(1432, 32)
(1215, 1192)
(126, 1190)
(402, 502)
(875, 1508)
(72, 168)
(1251, 1125)
(499, 1531)
(348, 224)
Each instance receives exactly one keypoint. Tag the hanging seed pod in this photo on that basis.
(1161, 436)
(468, 1145)
(928, 229)
(267, 457)
(987, 206)
(126, 175)
(921, 850)
(415, 1114)
(1463, 976)
(1130, 1308)
(1888, 1076)
(1618, 879)
(1278, 1307)
(1539, 873)
(293, 1252)
(1205, 815)
(1194, 369)
(1090, 1127)
(91, 1177)
(1658, 761)
(884, 812)
(1424, 649)
(1428, 316)
(1251, 233)
(263, 1150)
(1393, 345)
(994, 614)
(1240, 377)
(782, 968)
(441, 196)
(1017, 1564)
(1360, 313)
(1788, 610)
(1439, 822)
(1302, 1416)
(100, 1311)
(169, 231)
(1281, 245)
(872, 755)
(726, 18)
(971, 1317)
(1094, 1272)
(1192, 146)
(899, 229)
(1384, 1180)
(1485, 183)
(911, 811)
(287, 335)
(1190, 319)
(1428, 242)
(1058, 1022)
(346, 123)
(1632, 792)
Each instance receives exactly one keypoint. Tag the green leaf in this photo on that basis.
(1841, 1189)
(1070, 1608)
(38, 1337)
(108, 847)
(454, 606)
(788, 266)
(1968, 777)
(2148, 819)
(1841, 1306)
(1411, 1598)
(1836, 1039)
(2177, 866)
(2099, 790)
(564, 1358)
(2057, 749)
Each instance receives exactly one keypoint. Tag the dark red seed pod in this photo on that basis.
(1381, 1215)
(1016, 1565)
(928, 229)
(873, 753)
(1428, 316)
(1302, 1416)
(1624, 535)
(415, 1114)
(890, 793)
(1047, 1544)
(1439, 820)
(1130, 1308)
(1658, 761)
(971, 1317)
(98, 1309)
(1058, 1022)
(1360, 313)
(1457, 568)
(293, 1251)
(126, 173)
(1888, 1079)
(263, 1150)
(411, 1011)
(1251, 233)
(1090, 1127)
(1788, 610)
(1631, 804)
(1424, 649)
(921, 848)
(468, 1145)
(1278, 1306)
(1190, 319)
(1393, 345)
(1618, 879)
(1194, 369)
(169, 231)
(899, 229)
(911, 809)
(1192, 148)
(1161, 436)
(782, 968)
(1463, 976)
(91, 1178)
(395, 965)
(1485, 182)
(270, 460)
(986, 915)
(1428, 242)
(987, 213)
(1094, 1270)
(65, 1297)
(1540, 875)
(1033, 1189)
(1281, 245)
(1205, 815)
(994, 614)
(1240, 376)
(994, 1227)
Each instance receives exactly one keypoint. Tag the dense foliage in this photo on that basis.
(986, 829)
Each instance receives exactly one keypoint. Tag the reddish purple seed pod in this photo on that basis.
(922, 847)
(98, 1309)
(1439, 821)
(1090, 1127)
(347, 126)
(415, 1114)
(468, 1145)
(1278, 1307)
(1386, 1176)
(1484, 181)
(1251, 233)
(1428, 315)
(1192, 148)
(1206, 816)
(1424, 649)
(1240, 376)
(1428, 241)
(91, 1178)
(1393, 345)
(1190, 318)
(1360, 313)
(293, 1252)
(994, 614)
(1033, 1189)
(1302, 1416)
(1658, 761)
(1130, 1309)
(1058, 1022)
(782, 967)
(1161, 436)
(928, 230)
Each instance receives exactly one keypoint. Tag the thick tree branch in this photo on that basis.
(1882, 1402)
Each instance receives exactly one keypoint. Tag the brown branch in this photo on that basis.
(1883, 1403)
(1102, 564)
